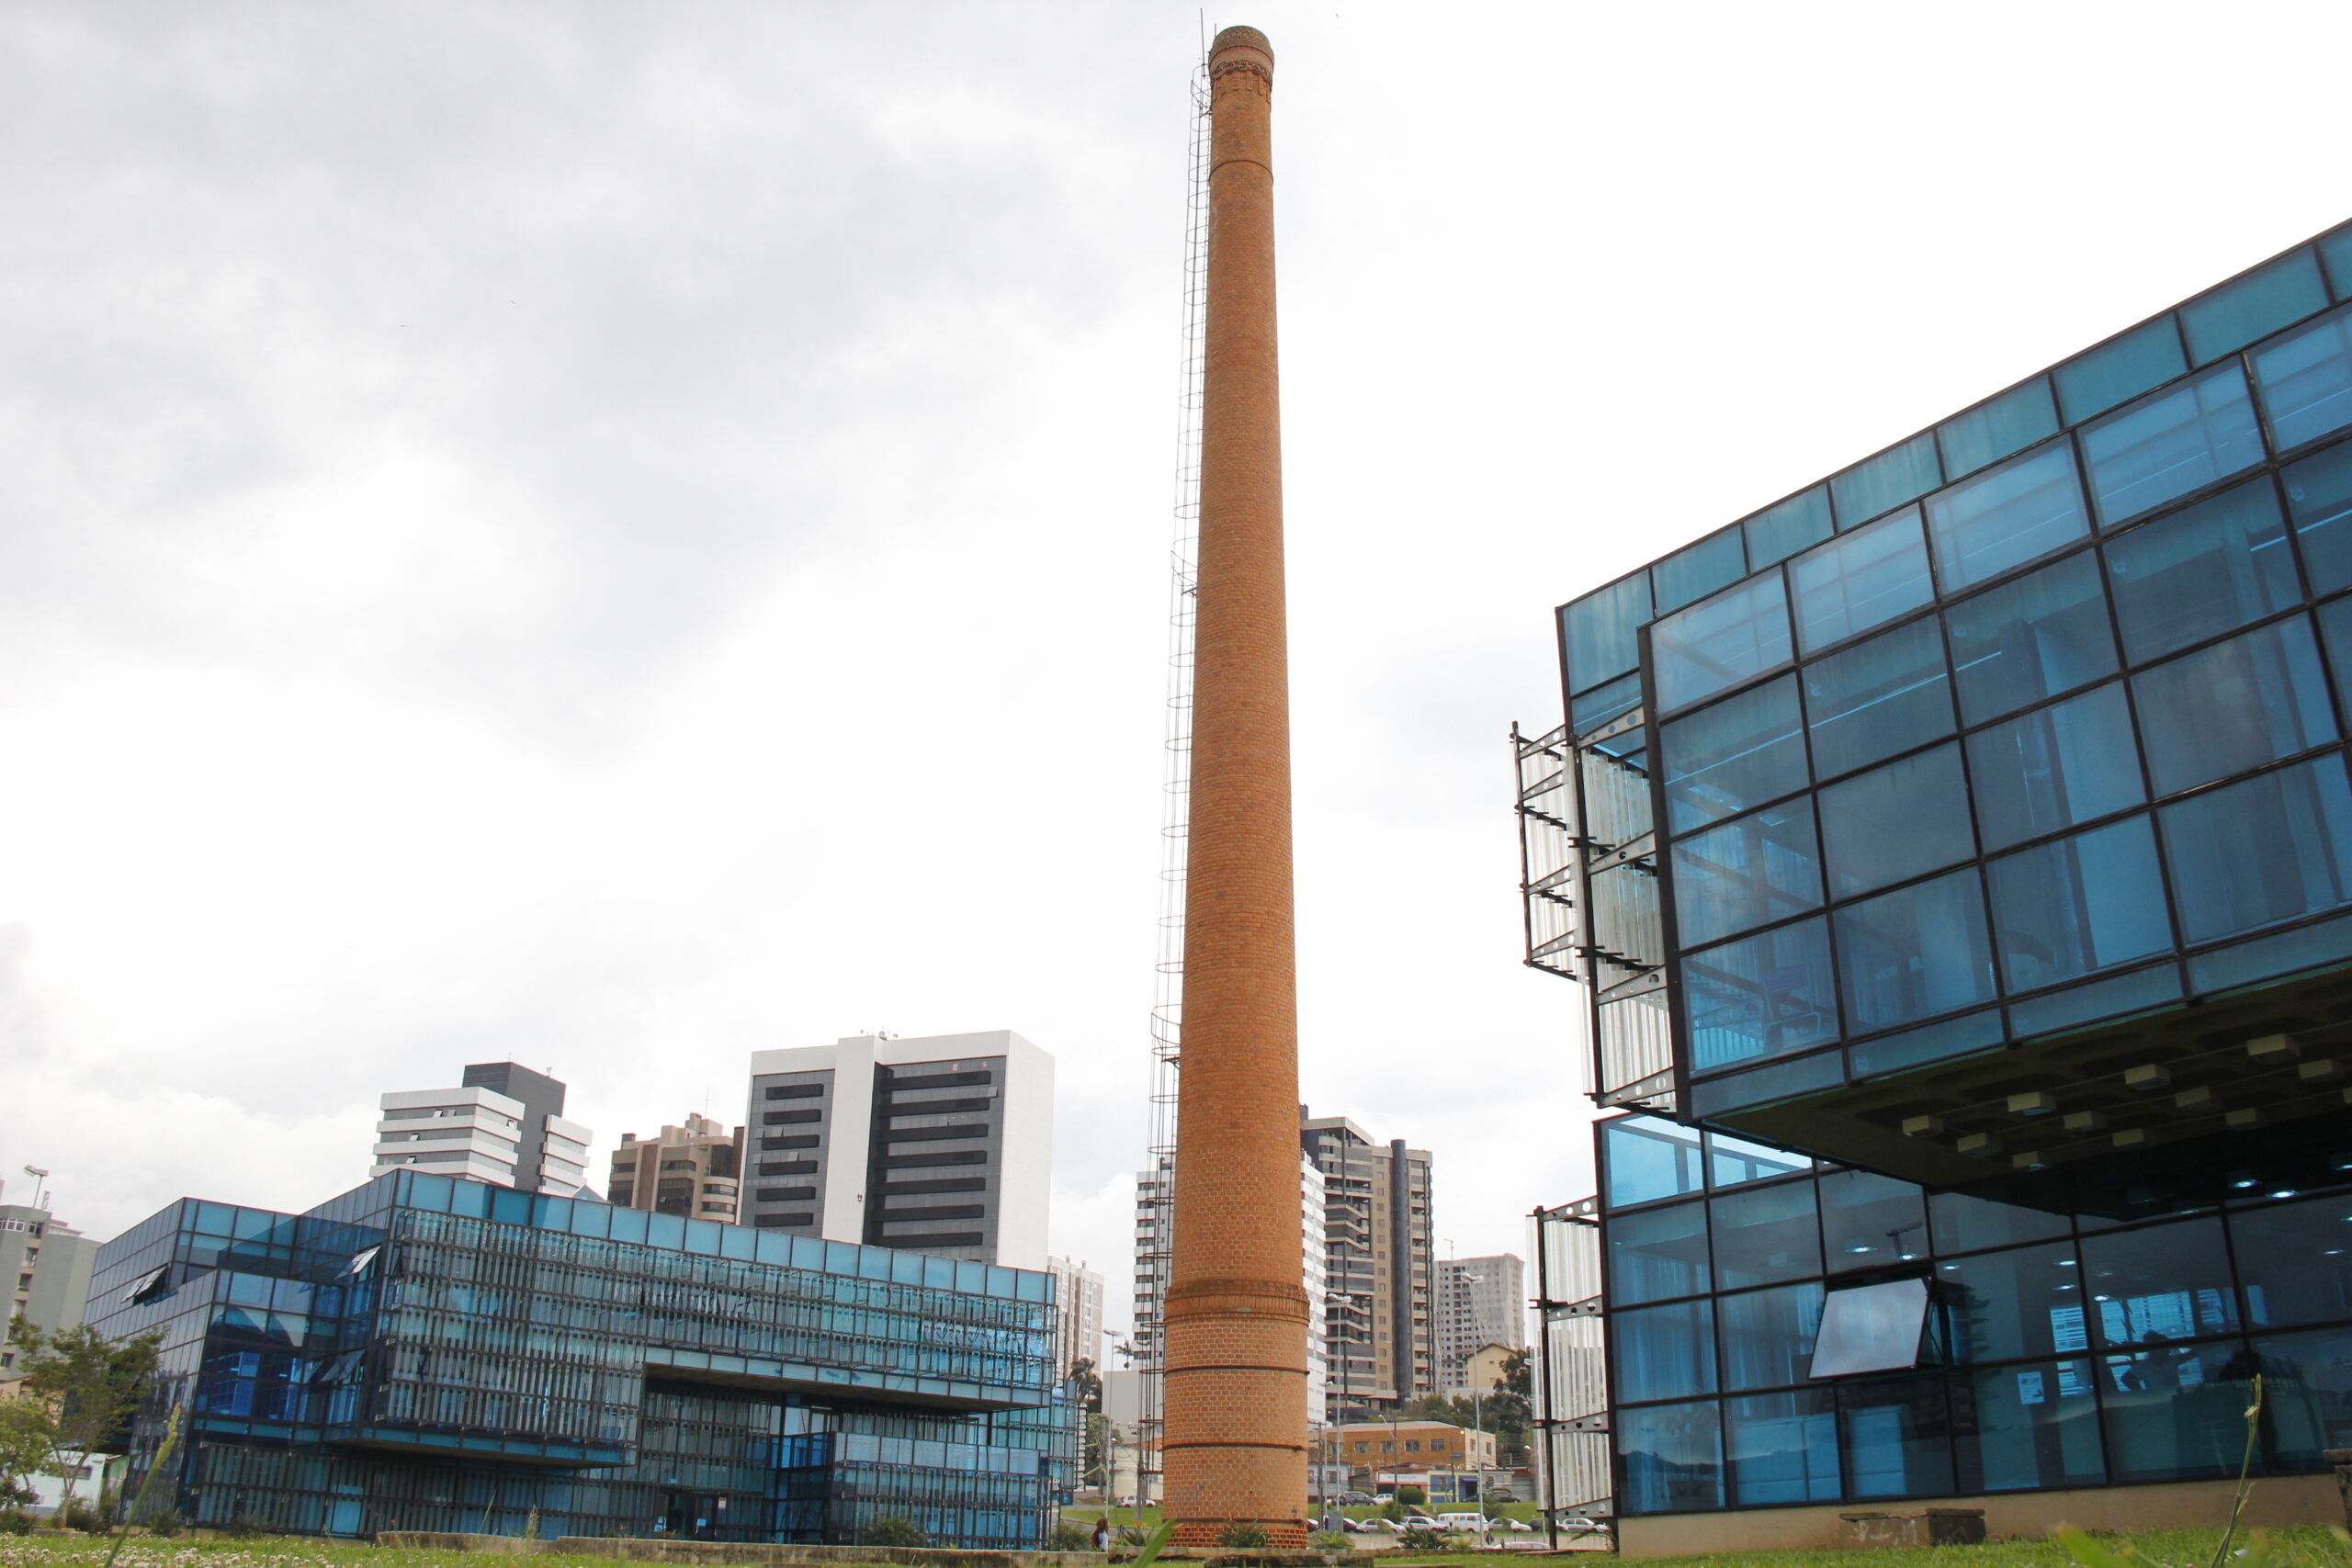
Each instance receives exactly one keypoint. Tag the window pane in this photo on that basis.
(2122, 367)
(1897, 1438)
(1871, 1328)
(2306, 1396)
(1876, 484)
(2199, 572)
(1860, 581)
(1961, 1222)
(1962, 1036)
(1663, 1352)
(1869, 1219)
(1762, 996)
(1720, 642)
(2018, 1429)
(1916, 952)
(1734, 1162)
(1601, 704)
(2159, 1283)
(2254, 306)
(1768, 1335)
(1991, 431)
(2268, 849)
(2232, 706)
(1673, 1459)
(1692, 573)
(2175, 1413)
(2319, 498)
(2295, 1262)
(1657, 1254)
(1903, 820)
(1877, 698)
(1739, 754)
(2043, 634)
(2045, 771)
(1600, 628)
(1649, 1159)
(1779, 532)
(2063, 910)
(2306, 381)
(2005, 1305)
(1765, 1235)
(2176, 442)
(1744, 873)
(1782, 1447)
(2007, 517)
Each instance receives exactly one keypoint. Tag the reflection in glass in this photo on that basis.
(1861, 580)
(1897, 1438)
(1738, 753)
(2025, 508)
(1768, 1335)
(2306, 381)
(2063, 910)
(1655, 1254)
(1914, 952)
(2200, 572)
(1963, 1222)
(2306, 1396)
(2166, 446)
(1897, 821)
(2266, 849)
(1672, 1458)
(1732, 1162)
(2068, 763)
(1869, 1219)
(2159, 1284)
(2319, 499)
(1600, 630)
(1871, 1328)
(1765, 1234)
(2044, 633)
(1877, 698)
(1766, 994)
(1782, 1447)
(1719, 642)
(2017, 1428)
(1648, 1159)
(2005, 1305)
(2175, 1413)
(1758, 868)
(2295, 1261)
(2234, 707)
(1697, 570)
(1663, 1352)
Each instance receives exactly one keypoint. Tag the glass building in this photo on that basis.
(427, 1353)
(1956, 856)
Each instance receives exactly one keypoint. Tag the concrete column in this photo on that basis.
(1234, 1440)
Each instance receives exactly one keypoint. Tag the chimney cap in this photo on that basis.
(1242, 37)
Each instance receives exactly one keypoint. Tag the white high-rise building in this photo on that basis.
(503, 1124)
(942, 1145)
(1078, 1289)
(1480, 1301)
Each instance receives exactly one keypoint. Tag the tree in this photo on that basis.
(1088, 1386)
(24, 1448)
(85, 1388)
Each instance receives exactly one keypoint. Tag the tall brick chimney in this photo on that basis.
(1234, 1442)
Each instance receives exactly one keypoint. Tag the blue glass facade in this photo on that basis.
(429, 1353)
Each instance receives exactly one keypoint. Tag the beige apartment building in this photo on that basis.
(696, 1170)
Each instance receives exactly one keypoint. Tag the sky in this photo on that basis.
(615, 536)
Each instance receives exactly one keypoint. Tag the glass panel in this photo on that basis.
(1647, 1159)
(1914, 952)
(1663, 1352)
(2136, 992)
(1963, 1222)
(2335, 254)
(1869, 1219)
(1597, 630)
(2175, 1413)
(1782, 1447)
(1733, 1162)
(1897, 1438)
(1672, 1456)
(1779, 532)
(2005, 1305)
(1746, 872)
(1720, 642)
(2043, 634)
(2019, 1428)
(2241, 964)
(1715, 562)
(2068, 763)
(1792, 1080)
(1991, 431)
(1765, 1234)
(2007, 517)
(1906, 818)
(1598, 706)
(1860, 581)
(1877, 698)
(1871, 1328)
(2268, 849)
(2306, 381)
(2159, 1283)
(2319, 498)
(1738, 753)
(1768, 1335)
(1936, 1043)
(2295, 1262)
(2122, 367)
(2064, 909)
(2176, 442)
(1766, 994)
(2232, 706)
(1876, 484)
(2200, 572)
(2275, 295)
(2306, 1396)
(1657, 1254)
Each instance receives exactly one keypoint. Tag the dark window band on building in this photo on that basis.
(800, 1141)
(941, 1184)
(931, 1243)
(785, 1118)
(942, 1080)
(784, 1194)
(937, 1106)
(941, 1156)
(794, 1090)
(788, 1167)
(783, 1219)
(937, 1211)
(936, 1134)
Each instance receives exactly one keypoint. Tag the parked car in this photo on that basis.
(1461, 1521)
(1520, 1525)
(1356, 1497)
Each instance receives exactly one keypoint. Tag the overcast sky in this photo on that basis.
(620, 535)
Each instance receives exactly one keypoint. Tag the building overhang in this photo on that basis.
(803, 1377)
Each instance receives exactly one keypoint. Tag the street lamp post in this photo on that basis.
(41, 1180)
